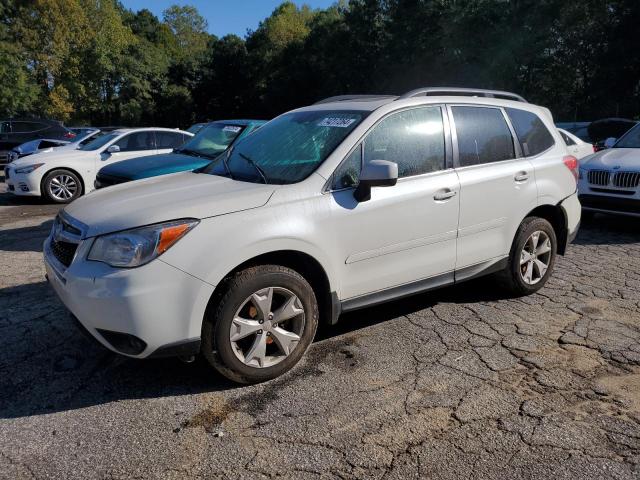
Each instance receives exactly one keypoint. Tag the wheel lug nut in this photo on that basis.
(268, 334)
(275, 325)
(271, 316)
(260, 322)
(259, 332)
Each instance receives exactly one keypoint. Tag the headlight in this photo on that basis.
(133, 248)
(29, 168)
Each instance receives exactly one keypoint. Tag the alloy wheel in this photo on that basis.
(535, 257)
(267, 327)
(63, 187)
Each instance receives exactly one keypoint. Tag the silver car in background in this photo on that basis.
(610, 179)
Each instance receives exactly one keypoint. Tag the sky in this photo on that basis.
(225, 16)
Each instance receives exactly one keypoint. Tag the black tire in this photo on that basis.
(49, 192)
(216, 343)
(511, 277)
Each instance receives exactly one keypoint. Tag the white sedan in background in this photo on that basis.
(578, 148)
(62, 176)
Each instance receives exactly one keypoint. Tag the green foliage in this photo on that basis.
(94, 61)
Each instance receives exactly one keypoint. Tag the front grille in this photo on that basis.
(63, 251)
(103, 180)
(599, 177)
(627, 179)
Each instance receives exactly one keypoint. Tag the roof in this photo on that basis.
(372, 102)
(120, 131)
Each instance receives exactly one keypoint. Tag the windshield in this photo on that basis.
(289, 148)
(99, 142)
(212, 140)
(631, 139)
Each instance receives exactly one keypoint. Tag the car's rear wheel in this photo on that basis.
(61, 186)
(532, 257)
(263, 323)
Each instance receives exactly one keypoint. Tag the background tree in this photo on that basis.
(94, 61)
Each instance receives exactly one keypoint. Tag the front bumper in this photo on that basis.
(611, 204)
(157, 304)
(21, 184)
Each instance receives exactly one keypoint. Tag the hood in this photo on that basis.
(154, 165)
(624, 158)
(51, 155)
(159, 199)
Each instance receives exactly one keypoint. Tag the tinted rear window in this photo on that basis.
(532, 133)
(483, 135)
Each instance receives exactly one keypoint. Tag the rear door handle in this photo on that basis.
(444, 194)
(521, 177)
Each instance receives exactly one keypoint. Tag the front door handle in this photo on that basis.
(444, 194)
(521, 177)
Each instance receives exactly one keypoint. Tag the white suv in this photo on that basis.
(325, 209)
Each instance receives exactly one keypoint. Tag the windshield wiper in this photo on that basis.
(193, 153)
(256, 166)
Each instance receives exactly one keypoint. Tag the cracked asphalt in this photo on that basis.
(457, 383)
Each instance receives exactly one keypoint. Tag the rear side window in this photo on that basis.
(567, 139)
(166, 140)
(483, 135)
(532, 133)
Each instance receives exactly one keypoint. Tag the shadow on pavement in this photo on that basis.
(25, 239)
(604, 229)
(47, 365)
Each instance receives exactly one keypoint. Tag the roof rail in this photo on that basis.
(355, 98)
(466, 92)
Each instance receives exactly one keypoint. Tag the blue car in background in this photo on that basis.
(212, 139)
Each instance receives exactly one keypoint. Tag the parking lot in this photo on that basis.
(457, 383)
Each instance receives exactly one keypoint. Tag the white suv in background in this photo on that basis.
(333, 207)
(610, 179)
(63, 175)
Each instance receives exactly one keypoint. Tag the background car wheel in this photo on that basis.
(61, 186)
(262, 325)
(532, 257)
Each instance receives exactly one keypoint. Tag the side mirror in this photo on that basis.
(610, 142)
(113, 149)
(376, 173)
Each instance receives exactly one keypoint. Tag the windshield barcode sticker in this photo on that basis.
(336, 122)
(231, 128)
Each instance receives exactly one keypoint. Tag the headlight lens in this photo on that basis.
(133, 248)
(29, 168)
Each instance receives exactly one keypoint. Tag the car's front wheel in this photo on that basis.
(61, 186)
(263, 323)
(532, 257)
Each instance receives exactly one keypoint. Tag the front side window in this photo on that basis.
(99, 142)
(483, 135)
(414, 139)
(136, 141)
(631, 139)
(289, 148)
(166, 140)
(532, 133)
